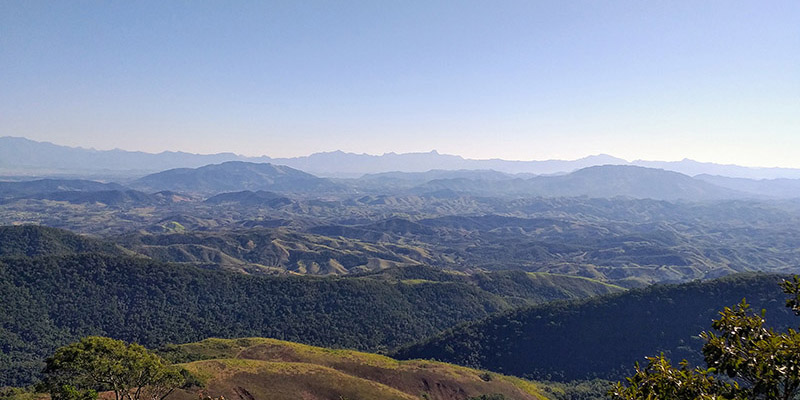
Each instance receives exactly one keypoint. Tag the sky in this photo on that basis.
(715, 81)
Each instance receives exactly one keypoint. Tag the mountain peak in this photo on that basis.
(233, 176)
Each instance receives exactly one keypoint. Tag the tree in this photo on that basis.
(79, 370)
(745, 360)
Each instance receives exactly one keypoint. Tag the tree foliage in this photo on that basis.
(79, 370)
(745, 360)
(48, 302)
(606, 334)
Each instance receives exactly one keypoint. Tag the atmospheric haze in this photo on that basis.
(712, 81)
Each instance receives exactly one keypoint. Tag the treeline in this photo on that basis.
(602, 337)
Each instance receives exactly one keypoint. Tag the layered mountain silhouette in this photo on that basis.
(254, 184)
(23, 156)
(777, 188)
(20, 156)
(598, 182)
(430, 174)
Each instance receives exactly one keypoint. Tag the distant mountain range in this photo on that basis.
(248, 183)
(785, 188)
(605, 181)
(24, 157)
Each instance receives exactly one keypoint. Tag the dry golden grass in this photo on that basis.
(258, 368)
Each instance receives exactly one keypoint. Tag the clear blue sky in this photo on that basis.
(709, 80)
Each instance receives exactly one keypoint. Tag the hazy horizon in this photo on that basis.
(712, 81)
(634, 160)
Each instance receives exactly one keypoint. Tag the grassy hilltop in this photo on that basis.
(257, 368)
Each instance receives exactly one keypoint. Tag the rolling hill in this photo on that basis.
(249, 198)
(116, 198)
(275, 249)
(35, 241)
(277, 370)
(397, 181)
(627, 242)
(10, 190)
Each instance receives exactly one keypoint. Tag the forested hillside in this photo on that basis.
(48, 301)
(33, 241)
(602, 337)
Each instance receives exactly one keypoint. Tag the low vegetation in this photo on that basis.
(268, 368)
(254, 368)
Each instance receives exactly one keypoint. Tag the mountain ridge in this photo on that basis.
(235, 176)
(601, 181)
(25, 157)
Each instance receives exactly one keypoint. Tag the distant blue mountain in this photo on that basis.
(605, 181)
(775, 188)
(234, 176)
(24, 157)
(343, 164)
(20, 156)
(693, 168)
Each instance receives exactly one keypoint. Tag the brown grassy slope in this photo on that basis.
(255, 368)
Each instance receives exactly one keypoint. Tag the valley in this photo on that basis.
(399, 200)
(508, 274)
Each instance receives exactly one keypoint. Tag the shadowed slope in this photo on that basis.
(604, 336)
